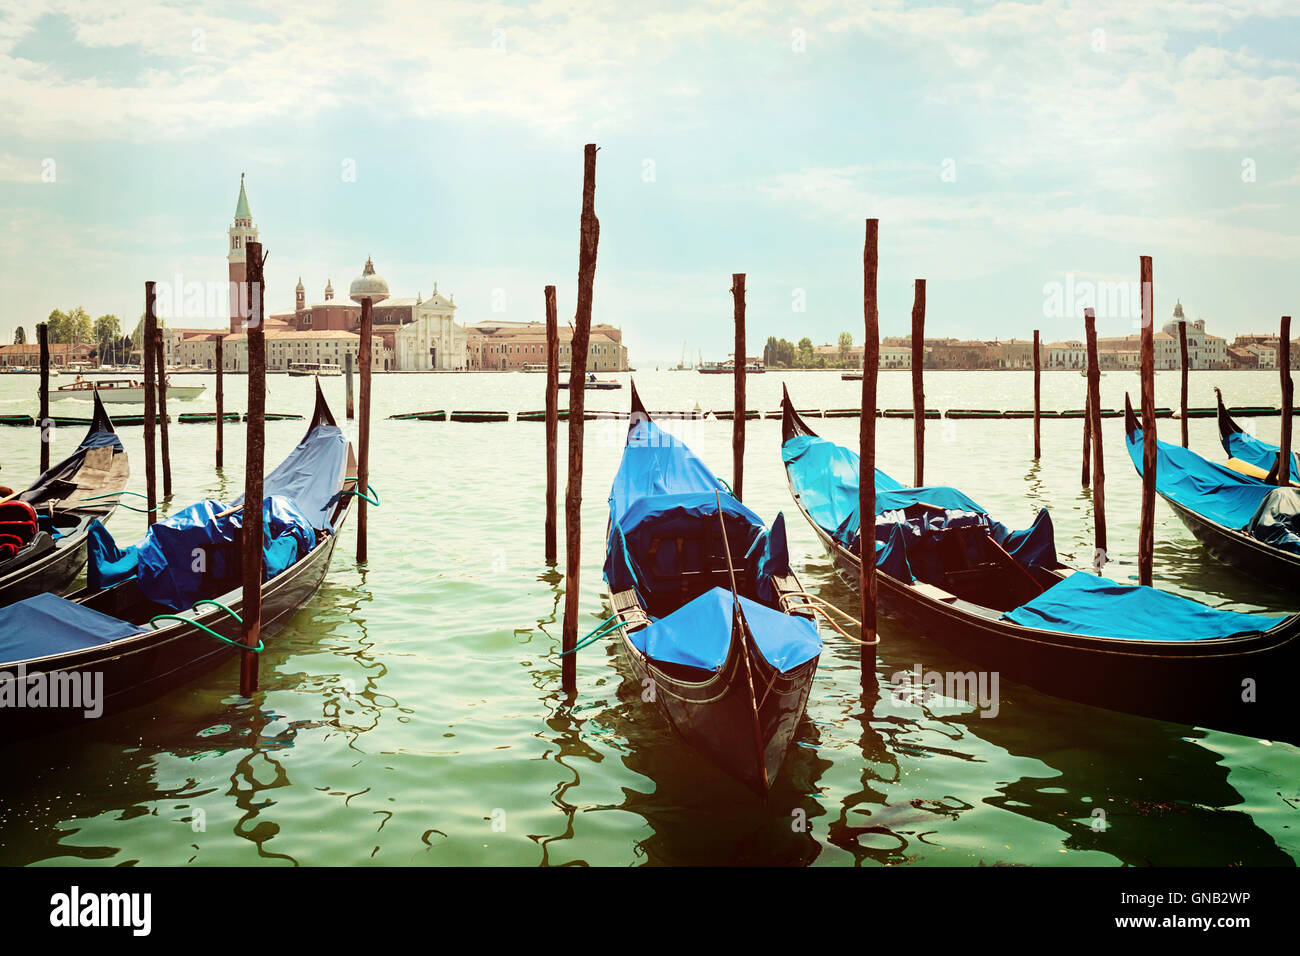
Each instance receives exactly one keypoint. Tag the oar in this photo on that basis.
(738, 623)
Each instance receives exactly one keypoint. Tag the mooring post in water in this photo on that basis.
(738, 424)
(1087, 437)
(1182, 348)
(147, 360)
(1283, 466)
(918, 382)
(867, 449)
(254, 460)
(347, 367)
(221, 400)
(1147, 527)
(588, 240)
(43, 338)
(363, 428)
(1098, 446)
(160, 353)
(1038, 440)
(552, 418)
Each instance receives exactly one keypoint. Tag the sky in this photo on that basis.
(1008, 150)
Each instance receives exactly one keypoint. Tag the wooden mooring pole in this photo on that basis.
(918, 383)
(347, 366)
(867, 448)
(1182, 349)
(552, 418)
(363, 427)
(588, 241)
(1038, 437)
(738, 370)
(1147, 526)
(254, 460)
(1283, 467)
(1087, 437)
(47, 434)
(221, 401)
(1098, 445)
(160, 358)
(150, 422)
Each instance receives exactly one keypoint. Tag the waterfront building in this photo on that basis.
(29, 356)
(512, 345)
(432, 339)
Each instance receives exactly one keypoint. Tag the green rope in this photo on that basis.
(369, 487)
(115, 494)
(606, 626)
(724, 484)
(153, 622)
(222, 606)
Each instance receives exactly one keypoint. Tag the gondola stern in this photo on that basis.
(792, 424)
(1131, 424)
(1227, 426)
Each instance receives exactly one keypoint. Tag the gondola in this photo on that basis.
(145, 624)
(734, 686)
(1001, 599)
(1245, 449)
(43, 529)
(1242, 521)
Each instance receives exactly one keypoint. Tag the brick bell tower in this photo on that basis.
(242, 232)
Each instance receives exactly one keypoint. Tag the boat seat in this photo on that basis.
(18, 526)
(935, 594)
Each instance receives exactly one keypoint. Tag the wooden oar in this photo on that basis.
(1249, 470)
(738, 623)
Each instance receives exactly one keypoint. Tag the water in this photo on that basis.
(411, 714)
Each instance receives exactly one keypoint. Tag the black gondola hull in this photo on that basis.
(716, 716)
(50, 573)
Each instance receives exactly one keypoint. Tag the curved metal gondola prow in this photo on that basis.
(792, 425)
(1131, 424)
(637, 413)
(321, 414)
(1227, 426)
(99, 420)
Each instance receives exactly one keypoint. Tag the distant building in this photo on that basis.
(432, 339)
(1069, 354)
(512, 345)
(29, 356)
(286, 348)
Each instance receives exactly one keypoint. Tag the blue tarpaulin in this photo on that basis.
(663, 490)
(47, 624)
(1257, 452)
(311, 475)
(1099, 607)
(178, 558)
(698, 634)
(825, 475)
(1218, 493)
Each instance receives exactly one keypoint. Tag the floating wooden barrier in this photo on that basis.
(562, 414)
(845, 413)
(278, 417)
(437, 415)
(1202, 412)
(1081, 413)
(907, 413)
(209, 417)
(1257, 411)
(1163, 412)
(479, 416)
(117, 420)
(730, 415)
(17, 420)
(975, 413)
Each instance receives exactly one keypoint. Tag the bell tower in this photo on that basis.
(241, 233)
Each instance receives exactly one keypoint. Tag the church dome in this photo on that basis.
(368, 285)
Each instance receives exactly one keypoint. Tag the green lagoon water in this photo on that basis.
(411, 713)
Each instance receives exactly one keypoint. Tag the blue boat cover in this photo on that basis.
(1099, 607)
(1277, 522)
(311, 475)
(825, 475)
(698, 634)
(47, 624)
(1257, 452)
(662, 489)
(1218, 493)
(165, 559)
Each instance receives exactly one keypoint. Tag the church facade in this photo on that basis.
(432, 339)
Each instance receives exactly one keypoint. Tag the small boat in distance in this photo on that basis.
(121, 391)
(595, 383)
(564, 369)
(305, 369)
(729, 368)
(706, 606)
